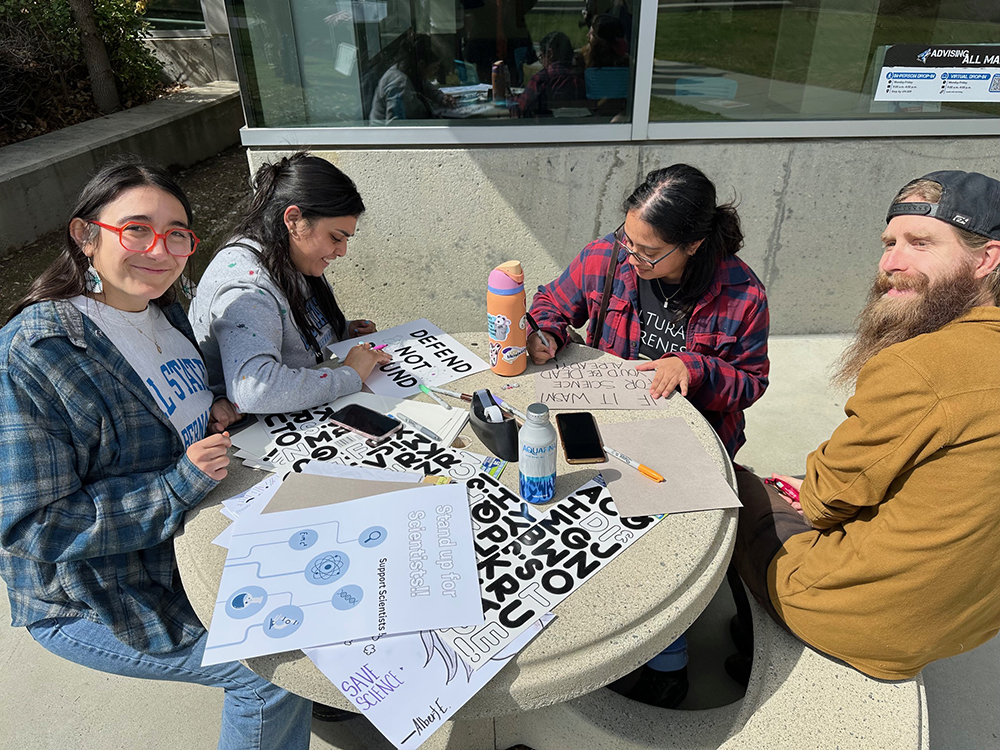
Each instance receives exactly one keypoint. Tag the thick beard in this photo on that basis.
(890, 320)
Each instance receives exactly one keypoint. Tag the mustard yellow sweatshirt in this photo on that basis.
(905, 565)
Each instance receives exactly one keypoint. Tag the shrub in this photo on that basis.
(43, 78)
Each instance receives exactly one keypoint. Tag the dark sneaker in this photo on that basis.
(663, 689)
(329, 713)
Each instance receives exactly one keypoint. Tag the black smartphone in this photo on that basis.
(375, 426)
(581, 440)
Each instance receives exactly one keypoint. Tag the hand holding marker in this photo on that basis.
(541, 335)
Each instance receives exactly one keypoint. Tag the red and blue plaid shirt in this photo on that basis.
(726, 336)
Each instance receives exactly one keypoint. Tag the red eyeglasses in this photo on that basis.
(137, 237)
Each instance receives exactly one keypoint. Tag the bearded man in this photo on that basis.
(893, 558)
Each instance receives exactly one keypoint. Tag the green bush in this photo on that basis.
(43, 78)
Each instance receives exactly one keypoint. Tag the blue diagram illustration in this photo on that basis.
(324, 569)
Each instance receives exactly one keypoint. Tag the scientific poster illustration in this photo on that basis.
(398, 562)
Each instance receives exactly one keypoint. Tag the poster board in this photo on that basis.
(584, 386)
(421, 352)
(390, 563)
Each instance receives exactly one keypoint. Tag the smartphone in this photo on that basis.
(375, 426)
(580, 437)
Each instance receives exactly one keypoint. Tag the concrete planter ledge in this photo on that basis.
(41, 177)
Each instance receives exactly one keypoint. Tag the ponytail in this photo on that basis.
(320, 190)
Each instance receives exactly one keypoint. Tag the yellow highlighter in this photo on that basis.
(641, 468)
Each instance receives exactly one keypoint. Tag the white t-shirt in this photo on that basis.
(176, 376)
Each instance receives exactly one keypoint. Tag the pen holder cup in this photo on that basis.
(500, 438)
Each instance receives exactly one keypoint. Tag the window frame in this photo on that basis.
(639, 130)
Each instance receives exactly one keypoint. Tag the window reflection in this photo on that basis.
(396, 62)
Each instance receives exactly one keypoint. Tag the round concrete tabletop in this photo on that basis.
(627, 613)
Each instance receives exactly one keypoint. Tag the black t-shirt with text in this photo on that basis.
(663, 328)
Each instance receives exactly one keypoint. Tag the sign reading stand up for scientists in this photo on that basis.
(940, 73)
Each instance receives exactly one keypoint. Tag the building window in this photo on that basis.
(175, 15)
(501, 63)
(766, 60)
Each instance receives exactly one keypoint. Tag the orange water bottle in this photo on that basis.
(506, 319)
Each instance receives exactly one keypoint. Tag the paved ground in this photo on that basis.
(46, 702)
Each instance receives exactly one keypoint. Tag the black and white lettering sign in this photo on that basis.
(548, 561)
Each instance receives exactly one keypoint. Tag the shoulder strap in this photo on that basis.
(608, 283)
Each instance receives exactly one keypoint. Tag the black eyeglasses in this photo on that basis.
(622, 239)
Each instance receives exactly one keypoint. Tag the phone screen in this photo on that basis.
(365, 420)
(580, 438)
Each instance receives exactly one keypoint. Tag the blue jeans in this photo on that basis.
(256, 715)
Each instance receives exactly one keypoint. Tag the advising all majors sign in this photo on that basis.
(946, 73)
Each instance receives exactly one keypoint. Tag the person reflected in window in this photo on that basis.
(606, 45)
(557, 84)
(406, 91)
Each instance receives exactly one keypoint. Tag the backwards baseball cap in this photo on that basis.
(969, 200)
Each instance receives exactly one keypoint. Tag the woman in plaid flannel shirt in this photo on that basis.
(109, 433)
(680, 297)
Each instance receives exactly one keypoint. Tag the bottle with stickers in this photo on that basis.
(505, 319)
(536, 448)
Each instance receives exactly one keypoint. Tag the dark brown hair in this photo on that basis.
(65, 278)
(320, 190)
(679, 203)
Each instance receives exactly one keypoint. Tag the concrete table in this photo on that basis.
(640, 603)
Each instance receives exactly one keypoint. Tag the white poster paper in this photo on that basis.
(614, 384)
(421, 352)
(551, 559)
(409, 685)
(391, 563)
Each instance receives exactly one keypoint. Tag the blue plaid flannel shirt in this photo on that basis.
(726, 336)
(94, 481)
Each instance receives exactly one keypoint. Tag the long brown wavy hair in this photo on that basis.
(65, 278)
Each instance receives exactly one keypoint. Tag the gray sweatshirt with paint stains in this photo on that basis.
(251, 344)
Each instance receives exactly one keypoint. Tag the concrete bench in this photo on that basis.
(797, 698)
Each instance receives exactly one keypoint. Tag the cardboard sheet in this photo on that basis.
(669, 447)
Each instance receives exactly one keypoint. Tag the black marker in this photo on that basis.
(541, 335)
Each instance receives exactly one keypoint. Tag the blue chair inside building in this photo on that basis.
(466, 71)
(717, 87)
(607, 83)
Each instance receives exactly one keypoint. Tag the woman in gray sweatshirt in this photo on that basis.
(264, 314)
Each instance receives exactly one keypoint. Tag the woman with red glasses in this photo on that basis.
(108, 435)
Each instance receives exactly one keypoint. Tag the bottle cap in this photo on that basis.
(538, 412)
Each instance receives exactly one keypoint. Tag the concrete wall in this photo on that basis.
(41, 177)
(439, 219)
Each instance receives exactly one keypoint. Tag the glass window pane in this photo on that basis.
(164, 15)
(434, 62)
(813, 59)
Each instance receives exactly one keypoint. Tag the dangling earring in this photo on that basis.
(92, 281)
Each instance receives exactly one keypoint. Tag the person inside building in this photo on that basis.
(557, 84)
